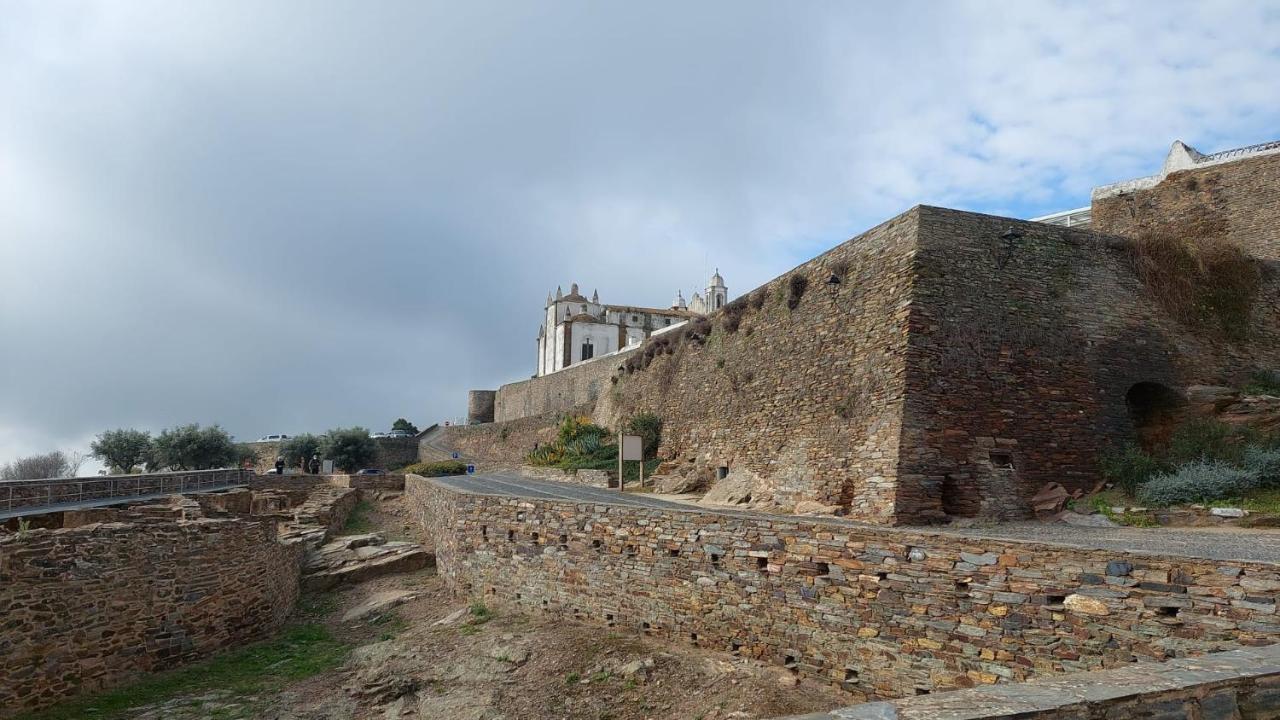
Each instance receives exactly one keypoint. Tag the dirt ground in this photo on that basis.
(436, 657)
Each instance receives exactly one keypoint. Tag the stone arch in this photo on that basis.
(1154, 410)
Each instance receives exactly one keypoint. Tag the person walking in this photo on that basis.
(279, 465)
(315, 465)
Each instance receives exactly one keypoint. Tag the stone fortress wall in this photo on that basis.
(932, 366)
(87, 608)
(884, 612)
(576, 386)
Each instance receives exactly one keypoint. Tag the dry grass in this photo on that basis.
(1199, 276)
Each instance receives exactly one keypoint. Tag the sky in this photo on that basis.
(288, 216)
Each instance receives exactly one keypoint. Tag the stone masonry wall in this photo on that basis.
(502, 444)
(797, 392)
(88, 608)
(1021, 354)
(575, 386)
(1245, 193)
(1234, 685)
(880, 611)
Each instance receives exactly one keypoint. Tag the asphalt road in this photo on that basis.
(513, 485)
(1208, 543)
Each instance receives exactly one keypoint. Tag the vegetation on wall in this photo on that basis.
(1198, 274)
(796, 287)
(299, 449)
(582, 445)
(1263, 382)
(1206, 460)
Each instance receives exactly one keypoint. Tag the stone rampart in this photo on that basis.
(91, 607)
(386, 481)
(881, 611)
(1235, 685)
(1243, 196)
(574, 387)
(502, 444)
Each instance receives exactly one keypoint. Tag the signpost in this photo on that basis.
(632, 449)
(471, 469)
(455, 456)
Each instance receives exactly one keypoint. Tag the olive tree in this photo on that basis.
(123, 449)
(191, 447)
(298, 449)
(349, 448)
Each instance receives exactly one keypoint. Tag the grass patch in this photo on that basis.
(1263, 382)
(299, 652)
(359, 522)
(390, 625)
(1258, 501)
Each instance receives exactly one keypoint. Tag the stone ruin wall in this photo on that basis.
(91, 607)
(1025, 349)
(579, 385)
(798, 403)
(882, 612)
(1244, 193)
(1235, 685)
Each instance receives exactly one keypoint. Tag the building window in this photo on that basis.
(588, 350)
(635, 318)
(667, 321)
(719, 302)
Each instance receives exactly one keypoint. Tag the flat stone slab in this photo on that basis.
(378, 603)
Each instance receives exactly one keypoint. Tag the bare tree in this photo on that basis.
(35, 467)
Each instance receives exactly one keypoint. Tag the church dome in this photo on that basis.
(716, 280)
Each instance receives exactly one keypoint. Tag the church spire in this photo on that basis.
(559, 292)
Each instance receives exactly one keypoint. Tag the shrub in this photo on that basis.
(649, 427)
(796, 287)
(1264, 382)
(1197, 275)
(436, 469)
(1209, 439)
(1199, 481)
(758, 297)
(1264, 463)
(349, 448)
(1129, 468)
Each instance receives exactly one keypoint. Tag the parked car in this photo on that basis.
(399, 434)
(372, 471)
(380, 435)
(273, 438)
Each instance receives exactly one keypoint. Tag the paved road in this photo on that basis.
(512, 484)
(1208, 543)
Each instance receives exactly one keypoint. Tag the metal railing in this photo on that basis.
(1240, 152)
(32, 497)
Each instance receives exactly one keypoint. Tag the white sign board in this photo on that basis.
(326, 467)
(632, 447)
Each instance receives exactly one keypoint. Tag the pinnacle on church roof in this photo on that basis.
(559, 292)
(716, 280)
(595, 297)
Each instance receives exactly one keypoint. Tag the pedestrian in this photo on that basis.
(279, 465)
(315, 465)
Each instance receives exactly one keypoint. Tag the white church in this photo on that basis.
(576, 329)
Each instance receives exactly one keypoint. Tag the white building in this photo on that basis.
(576, 329)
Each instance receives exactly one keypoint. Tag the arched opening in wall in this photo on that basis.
(1154, 410)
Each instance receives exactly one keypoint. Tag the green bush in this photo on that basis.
(1129, 468)
(1264, 382)
(1208, 439)
(437, 469)
(1198, 481)
(649, 427)
(1264, 463)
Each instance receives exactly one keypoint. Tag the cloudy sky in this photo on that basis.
(287, 216)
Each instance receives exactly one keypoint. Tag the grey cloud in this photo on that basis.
(288, 216)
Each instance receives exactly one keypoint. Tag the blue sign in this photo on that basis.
(471, 469)
(455, 456)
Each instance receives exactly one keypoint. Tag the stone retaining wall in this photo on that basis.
(389, 481)
(590, 478)
(884, 612)
(493, 445)
(88, 608)
(1235, 685)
